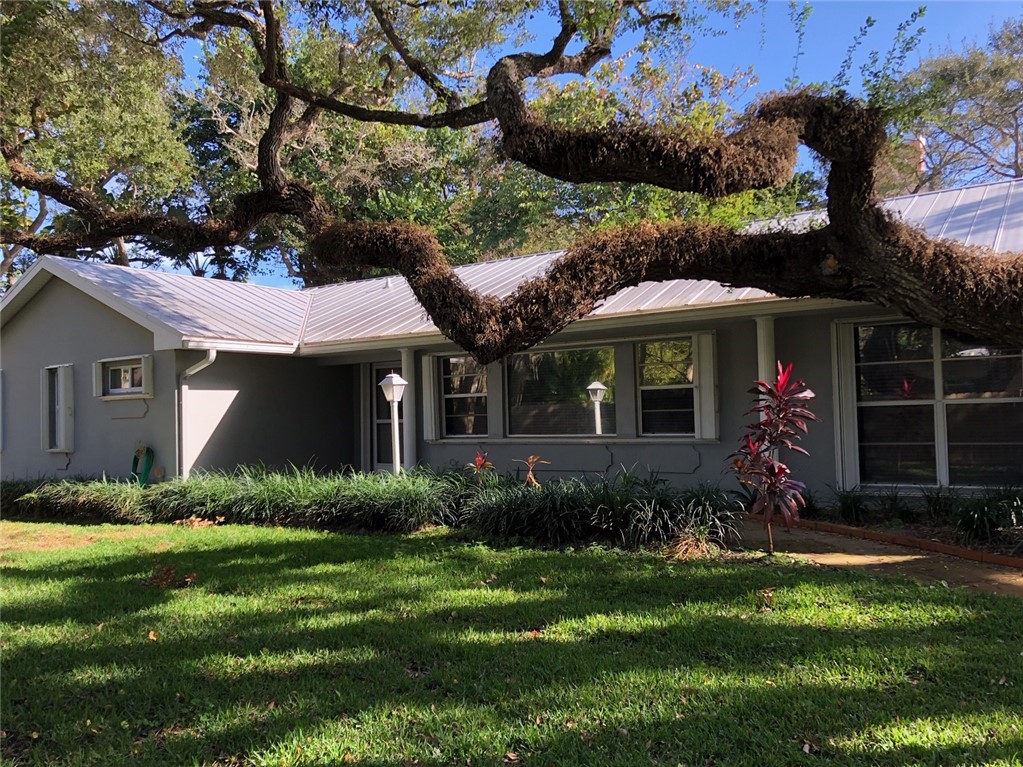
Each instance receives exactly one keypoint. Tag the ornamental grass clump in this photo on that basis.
(106, 500)
(782, 412)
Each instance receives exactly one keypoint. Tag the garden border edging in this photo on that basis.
(904, 540)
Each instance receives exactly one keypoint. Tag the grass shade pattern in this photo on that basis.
(240, 645)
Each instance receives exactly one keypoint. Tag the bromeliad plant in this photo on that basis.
(783, 412)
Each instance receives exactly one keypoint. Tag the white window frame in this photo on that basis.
(58, 412)
(101, 376)
(703, 386)
(846, 406)
(550, 349)
(435, 426)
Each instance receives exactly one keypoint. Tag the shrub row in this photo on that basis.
(622, 510)
(977, 516)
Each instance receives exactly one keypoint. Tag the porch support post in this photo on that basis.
(409, 402)
(767, 362)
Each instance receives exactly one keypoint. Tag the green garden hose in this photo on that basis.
(145, 454)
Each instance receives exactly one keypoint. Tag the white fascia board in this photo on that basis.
(164, 336)
(416, 341)
(738, 309)
(229, 345)
(734, 310)
(30, 283)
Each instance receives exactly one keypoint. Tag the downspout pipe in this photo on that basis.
(209, 359)
(205, 362)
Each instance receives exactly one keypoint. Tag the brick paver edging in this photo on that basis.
(904, 540)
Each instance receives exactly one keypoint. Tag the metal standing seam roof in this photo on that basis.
(200, 308)
(988, 215)
(384, 308)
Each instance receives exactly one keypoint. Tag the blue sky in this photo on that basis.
(768, 40)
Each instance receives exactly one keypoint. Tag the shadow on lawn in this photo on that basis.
(224, 679)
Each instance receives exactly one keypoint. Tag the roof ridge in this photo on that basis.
(73, 263)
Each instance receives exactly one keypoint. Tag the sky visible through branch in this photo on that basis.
(768, 42)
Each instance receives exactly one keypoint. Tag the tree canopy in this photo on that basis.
(968, 105)
(346, 137)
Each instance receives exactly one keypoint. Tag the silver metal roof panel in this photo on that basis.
(385, 308)
(201, 308)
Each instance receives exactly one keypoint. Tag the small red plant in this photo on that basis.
(530, 462)
(480, 466)
(783, 413)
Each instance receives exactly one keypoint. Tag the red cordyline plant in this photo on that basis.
(783, 414)
(531, 462)
(480, 466)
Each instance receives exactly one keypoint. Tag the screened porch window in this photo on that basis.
(464, 396)
(935, 407)
(547, 392)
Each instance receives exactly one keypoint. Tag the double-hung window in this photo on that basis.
(463, 397)
(936, 407)
(667, 387)
(547, 392)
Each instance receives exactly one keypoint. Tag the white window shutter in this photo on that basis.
(430, 395)
(66, 389)
(44, 409)
(97, 379)
(147, 374)
(706, 386)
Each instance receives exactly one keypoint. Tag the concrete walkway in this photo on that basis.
(885, 558)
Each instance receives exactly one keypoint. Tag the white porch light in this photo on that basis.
(597, 390)
(393, 387)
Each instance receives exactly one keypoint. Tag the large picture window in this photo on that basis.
(547, 392)
(935, 407)
(667, 387)
(464, 397)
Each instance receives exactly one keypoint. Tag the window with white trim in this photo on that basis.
(547, 392)
(463, 388)
(936, 407)
(58, 410)
(667, 387)
(124, 377)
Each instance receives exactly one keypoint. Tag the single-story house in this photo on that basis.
(99, 361)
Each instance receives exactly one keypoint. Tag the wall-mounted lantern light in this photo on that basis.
(393, 387)
(597, 390)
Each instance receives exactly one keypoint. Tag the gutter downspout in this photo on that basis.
(185, 460)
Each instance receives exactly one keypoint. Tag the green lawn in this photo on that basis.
(297, 647)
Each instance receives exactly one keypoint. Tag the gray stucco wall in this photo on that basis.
(273, 410)
(681, 461)
(805, 339)
(62, 325)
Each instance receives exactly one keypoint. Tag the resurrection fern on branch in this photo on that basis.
(783, 412)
